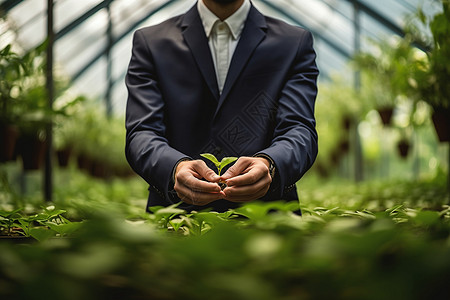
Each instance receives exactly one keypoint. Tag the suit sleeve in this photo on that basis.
(147, 149)
(294, 144)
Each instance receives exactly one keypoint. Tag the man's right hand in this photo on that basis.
(191, 188)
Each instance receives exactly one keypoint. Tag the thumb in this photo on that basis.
(203, 170)
(234, 170)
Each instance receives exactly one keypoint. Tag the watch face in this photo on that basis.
(272, 169)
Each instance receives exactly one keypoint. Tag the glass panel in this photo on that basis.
(29, 18)
(83, 43)
(67, 11)
(331, 21)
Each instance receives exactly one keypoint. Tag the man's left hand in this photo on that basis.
(248, 179)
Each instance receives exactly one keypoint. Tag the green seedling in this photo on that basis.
(219, 165)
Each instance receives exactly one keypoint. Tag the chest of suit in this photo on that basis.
(239, 121)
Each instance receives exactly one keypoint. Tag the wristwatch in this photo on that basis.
(272, 167)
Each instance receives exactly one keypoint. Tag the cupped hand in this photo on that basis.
(190, 186)
(248, 179)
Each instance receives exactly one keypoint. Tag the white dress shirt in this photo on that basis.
(223, 36)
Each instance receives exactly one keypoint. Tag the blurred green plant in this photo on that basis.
(351, 238)
(23, 95)
(388, 71)
(433, 73)
(260, 251)
(97, 140)
(12, 69)
(25, 113)
(333, 125)
(46, 224)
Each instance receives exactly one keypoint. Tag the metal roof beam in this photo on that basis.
(87, 66)
(74, 24)
(379, 18)
(118, 38)
(293, 19)
(387, 23)
(6, 6)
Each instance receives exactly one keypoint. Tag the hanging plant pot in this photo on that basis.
(84, 162)
(386, 115)
(344, 146)
(32, 150)
(322, 170)
(335, 157)
(346, 122)
(63, 156)
(441, 121)
(123, 172)
(99, 170)
(8, 140)
(403, 147)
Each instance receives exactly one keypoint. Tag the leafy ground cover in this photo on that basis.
(376, 240)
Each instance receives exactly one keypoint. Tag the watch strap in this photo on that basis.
(272, 168)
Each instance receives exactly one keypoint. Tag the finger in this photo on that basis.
(241, 194)
(190, 181)
(252, 176)
(197, 198)
(238, 168)
(259, 189)
(205, 172)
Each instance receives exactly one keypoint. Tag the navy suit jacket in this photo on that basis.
(174, 109)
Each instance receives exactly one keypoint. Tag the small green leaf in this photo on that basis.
(41, 234)
(5, 51)
(64, 229)
(8, 214)
(170, 211)
(211, 158)
(25, 226)
(176, 223)
(427, 218)
(226, 161)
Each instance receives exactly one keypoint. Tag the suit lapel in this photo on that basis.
(195, 37)
(252, 34)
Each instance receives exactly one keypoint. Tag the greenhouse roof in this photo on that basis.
(82, 27)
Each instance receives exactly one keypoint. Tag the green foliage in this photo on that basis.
(432, 77)
(12, 68)
(93, 137)
(347, 107)
(23, 94)
(84, 197)
(387, 238)
(219, 165)
(389, 72)
(225, 255)
(47, 223)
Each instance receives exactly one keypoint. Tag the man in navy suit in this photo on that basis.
(227, 80)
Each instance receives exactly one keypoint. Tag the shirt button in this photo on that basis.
(221, 27)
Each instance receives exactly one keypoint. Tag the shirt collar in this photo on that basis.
(235, 22)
